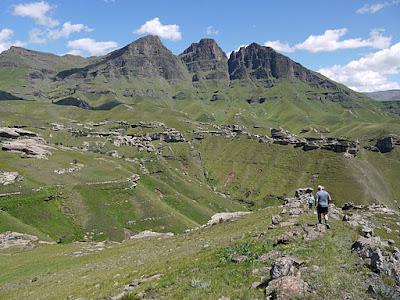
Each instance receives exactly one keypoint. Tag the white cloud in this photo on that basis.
(373, 8)
(331, 40)
(91, 46)
(37, 36)
(369, 73)
(67, 29)
(5, 40)
(75, 52)
(212, 31)
(38, 11)
(169, 32)
(279, 46)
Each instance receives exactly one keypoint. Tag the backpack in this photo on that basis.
(310, 199)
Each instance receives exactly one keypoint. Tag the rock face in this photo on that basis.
(9, 240)
(146, 57)
(260, 62)
(386, 144)
(205, 60)
(7, 96)
(71, 101)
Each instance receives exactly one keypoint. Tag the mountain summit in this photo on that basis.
(206, 60)
(146, 57)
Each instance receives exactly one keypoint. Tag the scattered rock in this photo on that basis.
(365, 247)
(351, 205)
(239, 258)
(228, 216)
(134, 284)
(269, 256)
(314, 232)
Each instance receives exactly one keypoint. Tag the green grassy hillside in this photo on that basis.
(186, 183)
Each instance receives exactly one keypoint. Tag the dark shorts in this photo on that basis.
(322, 210)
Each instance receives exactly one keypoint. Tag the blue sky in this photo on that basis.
(354, 42)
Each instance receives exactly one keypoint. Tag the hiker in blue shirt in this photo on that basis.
(310, 200)
(323, 198)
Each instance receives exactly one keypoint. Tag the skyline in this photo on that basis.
(357, 43)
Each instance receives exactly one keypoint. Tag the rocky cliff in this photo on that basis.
(258, 62)
(205, 60)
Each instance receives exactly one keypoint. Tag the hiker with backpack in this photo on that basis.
(322, 202)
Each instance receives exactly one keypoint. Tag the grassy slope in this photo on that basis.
(193, 265)
(247, 170)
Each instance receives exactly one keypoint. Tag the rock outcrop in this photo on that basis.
(72, 101)
(33, 147)
(227, 216)
(205, 60)
(8, 96)
(10, 240)
(150, 234)
(387, 143)
(13, 133)
(7, 178)
(284, 137)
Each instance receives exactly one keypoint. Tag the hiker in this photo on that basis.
(310, 199)
(323, 198)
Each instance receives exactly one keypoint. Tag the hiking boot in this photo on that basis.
(328, 226)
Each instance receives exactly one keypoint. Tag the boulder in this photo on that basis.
(367, 231)
(287, 287)
(285, 266)
(7, 178)
(387, 143)
(276, 219)
(365, 247)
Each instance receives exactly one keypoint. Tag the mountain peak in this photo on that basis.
(145, 57)
(151, 39)
(205, 60)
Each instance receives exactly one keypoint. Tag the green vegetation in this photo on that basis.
(192, 265)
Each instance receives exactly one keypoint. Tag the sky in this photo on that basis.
(353, 42)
